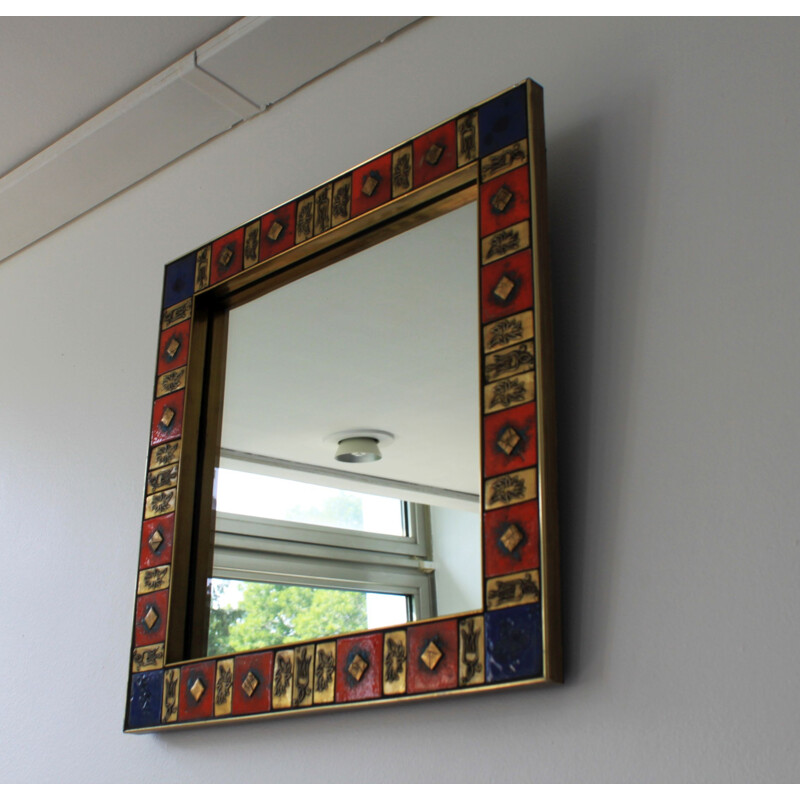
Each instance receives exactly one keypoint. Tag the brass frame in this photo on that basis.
(515, 640)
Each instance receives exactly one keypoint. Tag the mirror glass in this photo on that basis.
(381, 347)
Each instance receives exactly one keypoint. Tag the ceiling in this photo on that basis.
(77, 93)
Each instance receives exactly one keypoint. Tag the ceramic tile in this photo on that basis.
(153, 579)
(435, 154)
(467, 138)
(144, 710)
(506, 286)
(512, 590)
(402, 170)
(151, 618)
(282, 679)
(471, 649)
(304, 227)
(504, 201)
(223, 687)
(505, 242)
(509, 361)
(432, 656)
(252, 240)
(325, 672)
(173, 348)
(163, 478)
(303, 679)
(509, 440)
(156, 545)
(514, 643)
(509, 392)
(503, 120)
(506, 490)
(178, 280)
(227, 255)
(167, 418)
(252, 683)
(511, 539)
(175, 314)
(341, 201)
(196, 692)
(395, 663)
(148, 657)
(508, 331)
(171, 382)
(322, 209)
(277, 231)
(202, 274)
(507, 158)
(372, 184)
(159, 503)
(169, 705)
(358, 668)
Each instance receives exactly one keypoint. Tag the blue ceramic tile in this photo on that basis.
(514, 643)
(145, 709)
(179, 280)
(503, 121)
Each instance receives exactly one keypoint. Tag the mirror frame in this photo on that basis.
(494, 152)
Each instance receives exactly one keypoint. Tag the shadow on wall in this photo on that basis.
(598, 175)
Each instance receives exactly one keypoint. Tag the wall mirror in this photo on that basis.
(350, 494)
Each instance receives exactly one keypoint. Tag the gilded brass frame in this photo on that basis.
(515, 640)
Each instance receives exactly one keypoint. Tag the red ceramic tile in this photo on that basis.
(167, 421)
(197, 705)
(173, 347)
(372, 185)
(151, 618)
(506, 286)
(433, 656)
(359, 668)
(252, 683)
(505, 200)
(439, 145)
(509, 440)
(277, 231)
(156, 546)
(226, 255)
(511, 539)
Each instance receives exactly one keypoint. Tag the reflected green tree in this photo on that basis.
(273, 614)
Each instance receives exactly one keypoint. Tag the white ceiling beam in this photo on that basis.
(236, 75)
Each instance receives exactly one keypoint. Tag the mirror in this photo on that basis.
(277, 343)
(386, 341)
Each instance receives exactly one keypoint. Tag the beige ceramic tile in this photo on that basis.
(510, 157)
(505, 242)
(395, 662)
(506, 490)
(223, 687)
(471, 667)
(512, 590)
(282, 679)
(325, 672)
(151, 580)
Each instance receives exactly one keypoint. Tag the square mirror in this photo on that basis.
(350, 494)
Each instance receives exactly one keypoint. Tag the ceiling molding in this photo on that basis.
(236, 75)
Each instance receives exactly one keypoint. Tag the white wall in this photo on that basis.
(674, 201)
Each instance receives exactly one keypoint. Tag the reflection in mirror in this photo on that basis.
(385, 343)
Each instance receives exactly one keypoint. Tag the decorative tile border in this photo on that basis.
(515, 640)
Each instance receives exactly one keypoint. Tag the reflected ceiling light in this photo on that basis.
(359, 446)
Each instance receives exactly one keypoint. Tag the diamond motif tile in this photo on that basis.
(250, 684)
(503, 288)
(508, 440)
(511, 537)
(372, 185)
(196, 689)
(151, 617)
(507, 286)
(275, 230)
(433, 154)
(156, 540)
(501, 198)
(431, 656)
(358, 666)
